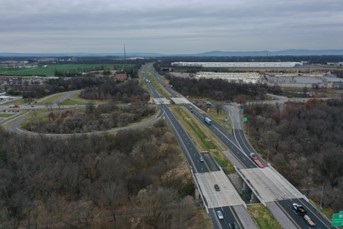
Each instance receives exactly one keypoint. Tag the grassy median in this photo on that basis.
(202, 138)
(263, 217)
(161, 91)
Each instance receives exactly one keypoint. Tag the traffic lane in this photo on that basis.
(299, 220)
(151, 88)
(152, 91)
(201, 116)
(160, 81)
(235, 117)
(245, 146)
(315, 215)
(229, 217)
(211, 164)
(191, 153)
(245, 159)
(186, 143)
(243, 142)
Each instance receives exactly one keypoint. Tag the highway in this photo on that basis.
(282, 193)
(209, 194)
(226, 138)
(242, 149)
(270, 187)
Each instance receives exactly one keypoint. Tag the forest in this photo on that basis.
(134, 179)
(305, 143)
(127, 103)
(222, 90)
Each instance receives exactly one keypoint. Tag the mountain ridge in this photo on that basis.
(286, 52)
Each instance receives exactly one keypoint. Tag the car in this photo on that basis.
(201, 159)
(220, 214)
(234, 225)
(216, 187)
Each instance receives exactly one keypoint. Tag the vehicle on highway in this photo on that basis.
(201, 159)
(208, 121)
(220, 214)
(14, 106)
(234, 225)
(216, 187)
(256, 160)
(300, 210)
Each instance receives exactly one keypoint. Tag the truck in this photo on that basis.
(300, 210)
(256, 160)
(208, 121)
(13, 106)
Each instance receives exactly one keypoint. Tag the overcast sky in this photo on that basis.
(169, 26)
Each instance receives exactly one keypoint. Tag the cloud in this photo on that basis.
(169, 26)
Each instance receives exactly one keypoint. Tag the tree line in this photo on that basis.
(123, 181)
(305, 143)
(219, 89)
(133, 108)
(128, 91)
(93, 118)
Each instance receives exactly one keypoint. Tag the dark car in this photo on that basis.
(234, 225)
(216, 187)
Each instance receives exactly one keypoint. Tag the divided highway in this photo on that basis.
(205, 183)
(278, 192)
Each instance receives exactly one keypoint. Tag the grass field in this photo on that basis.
(263, 217)
(51, 69)
(4, 115)
(73, 102)
(203, 139)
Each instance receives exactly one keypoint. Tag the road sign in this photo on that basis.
(337, 219)
(245, 119)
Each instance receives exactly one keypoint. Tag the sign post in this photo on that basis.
(337, 219)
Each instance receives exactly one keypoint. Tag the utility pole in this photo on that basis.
(321, 197)
(124, 53)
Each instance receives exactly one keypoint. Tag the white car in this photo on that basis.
(220, 214)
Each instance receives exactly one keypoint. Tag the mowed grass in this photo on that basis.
(156, 84)
(51, 69)
(73, 102)
(202, 139)
(263, 217)
(4, 115)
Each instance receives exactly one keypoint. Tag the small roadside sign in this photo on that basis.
(245, 119)
(337, 219)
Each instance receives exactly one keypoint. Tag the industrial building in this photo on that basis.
(238, 64)
(246, 77)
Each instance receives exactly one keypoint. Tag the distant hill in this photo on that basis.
(79, 54)
(288, 52)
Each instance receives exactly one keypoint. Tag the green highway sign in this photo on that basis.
(245, 119)
(337, 219)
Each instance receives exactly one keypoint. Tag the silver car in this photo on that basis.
(220, 214)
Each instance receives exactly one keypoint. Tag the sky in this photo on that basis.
(169, 26)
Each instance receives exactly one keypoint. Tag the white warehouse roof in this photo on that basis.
(238, 64)
(246, 77)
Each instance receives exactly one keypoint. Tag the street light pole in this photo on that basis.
(321, 197)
